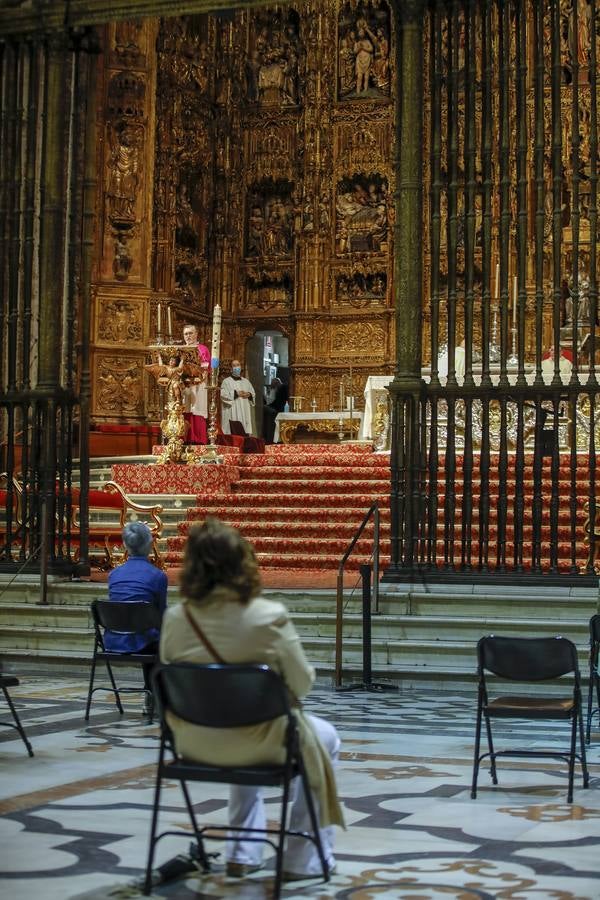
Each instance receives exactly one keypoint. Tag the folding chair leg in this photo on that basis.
(488, 729)
(281, 842)
(589, 705)
(476, 755)
(90, 688)
(155, 808)
(584, 768)
(314, 822)
(18, 725)
(188, 802)
(572, 758)
(114, 685)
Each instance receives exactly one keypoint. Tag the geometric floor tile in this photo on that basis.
(75, 819)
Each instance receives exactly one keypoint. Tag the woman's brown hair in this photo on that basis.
(218, 556)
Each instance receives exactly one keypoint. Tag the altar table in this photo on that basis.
(315, 427)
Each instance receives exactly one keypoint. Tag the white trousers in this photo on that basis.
(247, 810)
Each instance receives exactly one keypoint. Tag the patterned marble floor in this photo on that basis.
(75, 819)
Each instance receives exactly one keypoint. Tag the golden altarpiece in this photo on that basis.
(246, 160)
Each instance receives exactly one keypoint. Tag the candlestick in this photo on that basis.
(158, 319)
(216, 332)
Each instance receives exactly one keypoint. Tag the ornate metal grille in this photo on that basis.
(494, 457)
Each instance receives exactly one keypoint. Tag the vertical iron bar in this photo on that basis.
(452, 163)
(593, 139)
(554, 489)
(540, 185)
(365, 574)
(575, 204)
(502, 485)
(435, 146)
(469, 159)
(556, 184)
(522, 139)
(504, 180)
(432, 484)
(537, 508)
(487, 185)
(29, 212)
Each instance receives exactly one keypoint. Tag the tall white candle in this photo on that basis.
(169, 322)
(216, 332)
(158, 319)
(515, 300)
(341, 396)
(497, 288)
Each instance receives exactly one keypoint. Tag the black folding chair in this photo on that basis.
(532, 660)
(594, 675)
(7, 681)
(122, 617)
(229, 696)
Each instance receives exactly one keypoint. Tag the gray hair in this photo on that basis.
(137, 538)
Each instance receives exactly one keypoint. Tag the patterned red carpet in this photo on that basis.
(300, 506)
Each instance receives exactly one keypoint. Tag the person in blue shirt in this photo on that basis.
(137, 579)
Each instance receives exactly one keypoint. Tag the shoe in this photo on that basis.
(240, 870)
(301, 876)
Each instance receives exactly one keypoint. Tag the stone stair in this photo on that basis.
(418, 638)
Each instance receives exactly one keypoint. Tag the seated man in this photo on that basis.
(237, 402)
(137, 579)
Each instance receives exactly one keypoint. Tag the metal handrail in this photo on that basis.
(339, 608)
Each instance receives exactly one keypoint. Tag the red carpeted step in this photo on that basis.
(285, 514)
(333, 546)
(296, 560)
(304, 527)
(344, 473)
(270, 500)
(260, 461)
(299, 486)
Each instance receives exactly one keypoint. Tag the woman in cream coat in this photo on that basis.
(221, 583)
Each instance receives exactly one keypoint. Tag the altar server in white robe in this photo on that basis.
(237, 401)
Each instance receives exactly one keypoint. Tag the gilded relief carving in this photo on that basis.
(119, 386)
(120, 322)
(361, 289)
(272, 67)
(268, 288)
(127, 40)
(304, 339)
(124, 171)
(271, 215)
(366, 339)
(363, 51)
(362, 214)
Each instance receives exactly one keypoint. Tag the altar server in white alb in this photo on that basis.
(237, 402)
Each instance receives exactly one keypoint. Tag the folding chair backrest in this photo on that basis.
(221, 696)
(126, 617)
(595, 629)
(527, 659)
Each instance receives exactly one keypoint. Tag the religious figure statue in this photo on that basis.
(580, 40)
(361, 216)
(363, 51)
(272, 64)
(124, 166)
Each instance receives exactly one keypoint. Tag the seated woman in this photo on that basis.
(137, 579)
(221, 582)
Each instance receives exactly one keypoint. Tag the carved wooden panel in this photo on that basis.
(119, 386)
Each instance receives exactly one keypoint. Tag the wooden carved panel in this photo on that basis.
(119, 321)
(367, 340)
(118, 386)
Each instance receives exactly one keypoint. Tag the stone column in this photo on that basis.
(408, 249)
